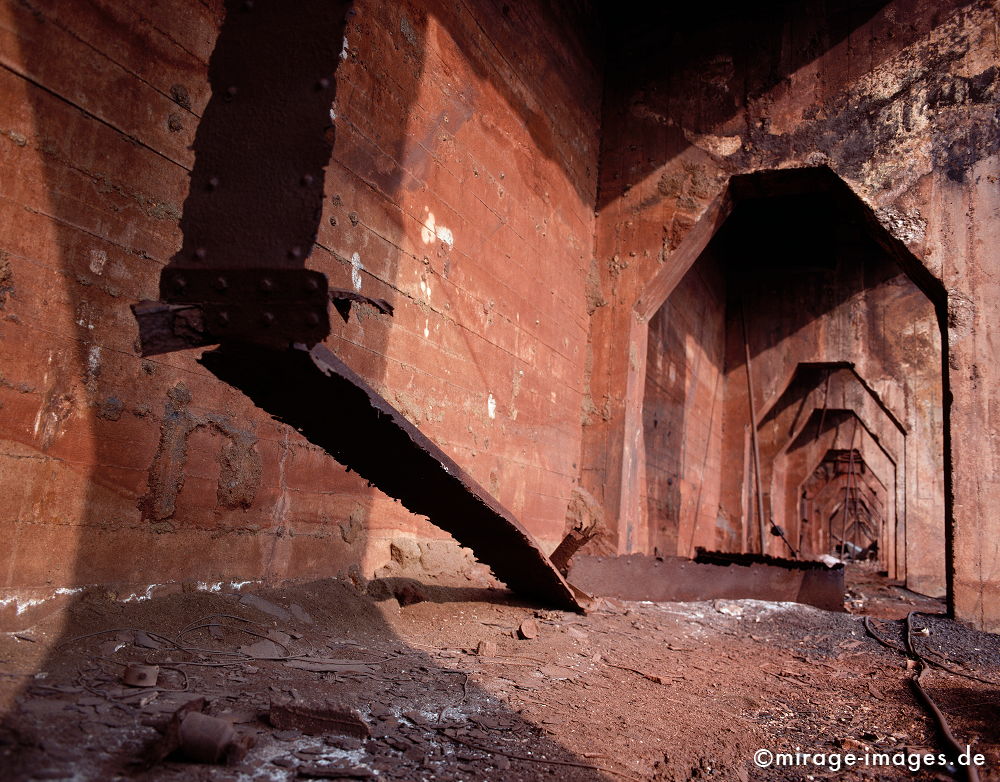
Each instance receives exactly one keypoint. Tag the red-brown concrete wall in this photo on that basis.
(461, 189)
(900, 102)
(682, 413)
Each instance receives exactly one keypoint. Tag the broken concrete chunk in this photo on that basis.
(137, 675)
(199, 738)
(487, 649)
(279, 637)
(318, 718)
(205, 739)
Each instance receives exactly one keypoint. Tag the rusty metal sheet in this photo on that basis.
(712, 576)
(333, 407)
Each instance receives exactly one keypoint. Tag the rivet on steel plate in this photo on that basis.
(307, 179)
(220, 284)
(223, 318)
(323, 84)
(213, 182)
(267, 319)
(295, 252)
(180, 283)
(312, 284)
(201, 253)
(266, 284)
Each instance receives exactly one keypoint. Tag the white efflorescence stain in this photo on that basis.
(97, 260)
(344, 49)
(138, 597)
(427, 330)
(491, 406)
(23, 603)
(94, 360)
(430, 231)
(356, 268)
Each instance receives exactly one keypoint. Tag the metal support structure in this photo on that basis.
(333, 407)
(250, 222)
(753, 437)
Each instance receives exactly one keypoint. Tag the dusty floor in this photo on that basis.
(630, 691)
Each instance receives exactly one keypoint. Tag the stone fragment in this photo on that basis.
(487, 649)
(318, 718)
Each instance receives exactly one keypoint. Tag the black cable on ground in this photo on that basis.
(969, 772)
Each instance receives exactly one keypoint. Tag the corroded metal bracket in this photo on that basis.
(201, 307)
(315, 392)
(711, 576)
(272, 307)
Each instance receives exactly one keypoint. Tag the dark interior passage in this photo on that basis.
(844, 357)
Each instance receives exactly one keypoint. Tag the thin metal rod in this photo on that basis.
(753, 436)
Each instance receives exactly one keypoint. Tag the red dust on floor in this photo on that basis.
(437, 682)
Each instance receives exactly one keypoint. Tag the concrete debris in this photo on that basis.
(318, 719)
(137, 675)
(196, 737)
(528, 629)
(486, 649)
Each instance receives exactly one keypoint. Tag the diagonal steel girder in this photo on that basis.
(313, 391)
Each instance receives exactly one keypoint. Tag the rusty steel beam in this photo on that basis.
(334, 408)
(711, 576)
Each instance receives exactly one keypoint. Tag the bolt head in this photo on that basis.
(307, 179)
(223, 318)
(267, 285)
(201, 253)
(267, 318)
(213, 182)
(180, 283)
(221, 283)
(312, 284)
